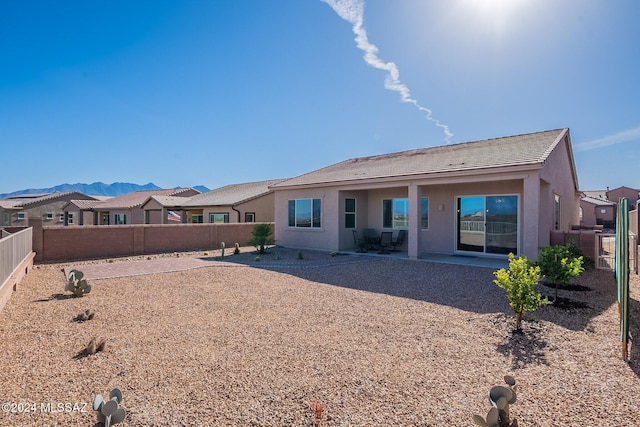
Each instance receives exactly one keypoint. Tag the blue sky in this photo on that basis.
(183, 93)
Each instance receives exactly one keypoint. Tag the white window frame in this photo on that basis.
(69, 218)
(225, 216)
(312, 225)
(21, 216)
(351, 213)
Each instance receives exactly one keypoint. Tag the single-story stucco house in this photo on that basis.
(234, 203)
(483, 198)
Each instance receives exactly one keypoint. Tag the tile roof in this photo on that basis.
(596, 194)
(137, 198)
(169, 200)
(83, 204)
(527, 149)
(25, 202)
(232, 194)
(597, 201)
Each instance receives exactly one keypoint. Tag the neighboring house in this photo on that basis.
(47, 207)
(597, 211)
(127, 209)
(632, 194)
(486, 198)
(600, 207)
(247, 202)
(82, 210)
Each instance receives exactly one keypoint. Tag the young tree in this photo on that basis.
(520, 282)
(558, 265)
(261, 237)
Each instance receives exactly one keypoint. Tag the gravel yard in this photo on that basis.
(378, 341)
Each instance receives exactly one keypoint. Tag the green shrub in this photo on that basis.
(261, 237)
(558, 265)
(520, 282)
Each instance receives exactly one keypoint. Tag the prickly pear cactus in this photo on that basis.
(85, 315)
(109, 411)
(76, 284)
(500, 398)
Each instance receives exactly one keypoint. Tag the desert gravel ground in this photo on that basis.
(378, 341)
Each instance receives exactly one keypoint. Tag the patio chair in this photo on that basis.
(398, 241)
(360, 244)
(371, 237)
(385, 241)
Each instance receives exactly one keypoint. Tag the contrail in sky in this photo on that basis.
(617, 138)
(352, 11)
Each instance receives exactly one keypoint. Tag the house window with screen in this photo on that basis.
(350, 213)
(219, 218)
(424, 213)
(197, 219)
(556, 212)
(603, 211)
(305, 213)
(249, 217)
(120, 219)
(70, 218)
(21, 215)
(49, 216)
(395, 213)
(6, 218)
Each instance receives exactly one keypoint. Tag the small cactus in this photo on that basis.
(500, 398)
(84, 316)
(76, 284)
(94, 346)
(236, 251)
(257, 259)
(110, 412)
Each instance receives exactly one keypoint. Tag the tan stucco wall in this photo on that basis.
(630, 193)
(261, 206)
(441, 235)
(324, 238)
(557, 173)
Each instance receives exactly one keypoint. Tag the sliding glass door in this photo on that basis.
(487, 224)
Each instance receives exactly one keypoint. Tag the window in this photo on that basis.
(603, 211)
(120, 218)
(305, 213)
(424, 213)
(556, 212)
(197, 219)
(218, 218)
(249, 217)
(6, 218)
(69, 218)
(395, 213)
(61, 217)
(49, 216)
(21, 215)
(349, 213)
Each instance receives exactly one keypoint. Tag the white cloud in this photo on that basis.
(617, 138)
(352, 11)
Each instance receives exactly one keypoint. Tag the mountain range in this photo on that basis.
(95, 189)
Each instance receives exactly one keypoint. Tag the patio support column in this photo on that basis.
(530, 217)
(414, 234)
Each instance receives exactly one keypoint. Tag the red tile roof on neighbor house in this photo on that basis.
(520, 150)
(137, 198)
